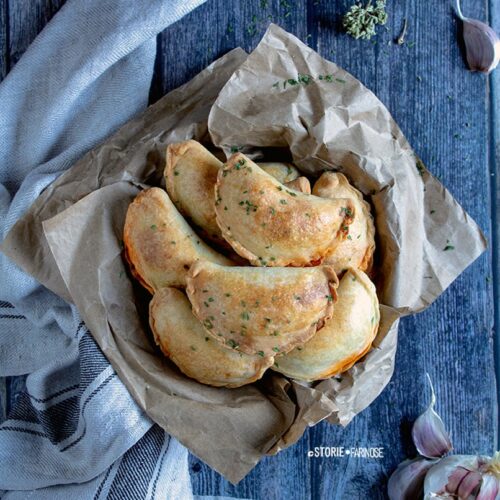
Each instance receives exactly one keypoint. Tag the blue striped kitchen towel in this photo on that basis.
(75, 432)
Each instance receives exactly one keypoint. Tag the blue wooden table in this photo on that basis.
(450, 116)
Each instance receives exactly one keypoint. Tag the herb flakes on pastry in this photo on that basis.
(160, 246)
(344, 339)
(181, 338)
(263, 311)
(358, 248)
(270, 225)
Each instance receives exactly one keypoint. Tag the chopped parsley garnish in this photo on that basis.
(232, 343)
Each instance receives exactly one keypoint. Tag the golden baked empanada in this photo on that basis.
(268, 224)
(190, 175)
(357, 249)
(258, 310)
(160, 246)
(283, 172)
(182, 339)
(300, 184)
(345, 338)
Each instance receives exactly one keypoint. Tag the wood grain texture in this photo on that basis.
(450, 116)
(494, 150)
(4, 39)
(26, 19)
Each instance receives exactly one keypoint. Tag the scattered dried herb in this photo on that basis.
(361, 20)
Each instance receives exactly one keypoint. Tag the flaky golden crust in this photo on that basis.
(159, 244)
(261, 310)
(182, 339)
(270, 225)
(300, 184)
(190, 176)
(344, 339)
(358, 248)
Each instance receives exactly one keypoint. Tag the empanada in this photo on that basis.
(282, 172)
(190, 175)
(183, 340)
(345, 338)
(258, 310)
(357, 249)
(300, 184)
(270, 225)
(160, 246)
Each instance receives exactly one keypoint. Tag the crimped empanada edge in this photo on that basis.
(260, 365)
(254, 259)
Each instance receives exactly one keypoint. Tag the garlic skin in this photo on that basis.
(490, 488)
(429, 434)
(407, 481)
(482, 44)
(464, 477)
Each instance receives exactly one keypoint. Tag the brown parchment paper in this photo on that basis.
(70, 239)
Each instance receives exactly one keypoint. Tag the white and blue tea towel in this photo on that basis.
(75, 432)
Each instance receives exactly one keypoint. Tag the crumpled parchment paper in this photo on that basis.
(283, 101)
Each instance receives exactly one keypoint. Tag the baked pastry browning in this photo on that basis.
(263, 311)
(345, 338)
(357, 249)
(300, 184)
(270, 225)
(160, 246)
(190, 175)
(282, 172)
(181, 338)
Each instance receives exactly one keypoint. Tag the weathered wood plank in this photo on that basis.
(494, 142)
(3, 399)
(4, 39)
(26, 19)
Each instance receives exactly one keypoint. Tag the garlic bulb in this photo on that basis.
(482, 45)
(464, 476)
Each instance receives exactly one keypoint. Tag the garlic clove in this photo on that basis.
(429, 434)
(490, 488)
(482, 44)
(438, 477)
(407, 481)
(469, 485)
(455, 478)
